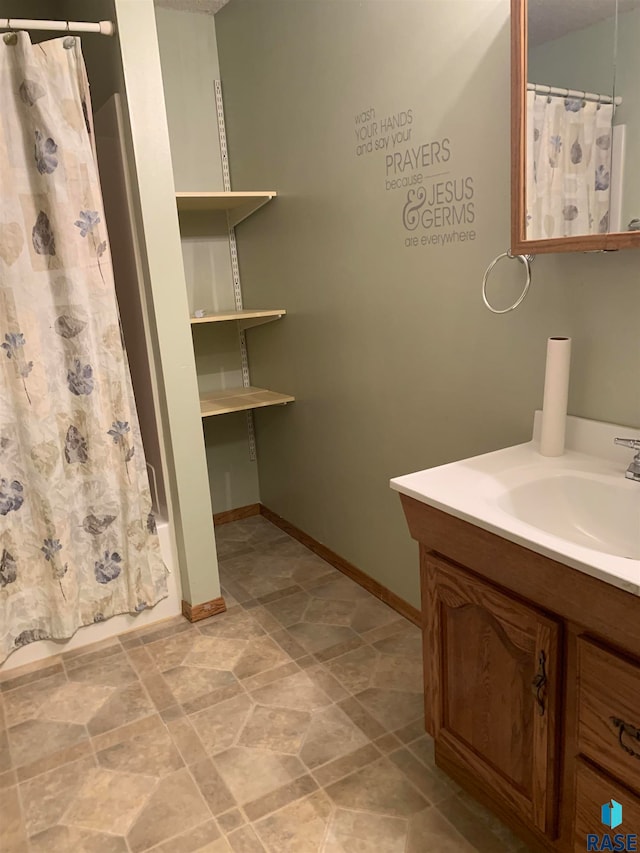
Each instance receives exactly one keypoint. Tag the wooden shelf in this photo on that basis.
(239, 400)
(237, 205)
(246, 318)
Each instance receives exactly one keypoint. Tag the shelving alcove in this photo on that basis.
(237, 206)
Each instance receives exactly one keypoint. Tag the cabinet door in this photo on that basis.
(492, 673)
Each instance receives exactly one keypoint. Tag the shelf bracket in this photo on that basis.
(233, 249)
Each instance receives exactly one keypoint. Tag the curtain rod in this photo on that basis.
(541, 89)
(104, 28)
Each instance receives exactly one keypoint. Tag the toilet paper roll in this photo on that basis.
(556, 394)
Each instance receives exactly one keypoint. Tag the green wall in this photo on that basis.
(395, 363)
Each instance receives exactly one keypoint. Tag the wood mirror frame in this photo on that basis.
(519, 244)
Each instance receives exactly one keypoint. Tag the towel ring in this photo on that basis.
(524, 259)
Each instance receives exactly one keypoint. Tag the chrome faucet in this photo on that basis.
(633, 471)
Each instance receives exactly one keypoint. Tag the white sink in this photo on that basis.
(593, 510)
(577, 508)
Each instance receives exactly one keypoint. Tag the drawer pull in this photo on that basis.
(630, 731)
(539, 683)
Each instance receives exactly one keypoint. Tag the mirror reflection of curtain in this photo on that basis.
(568, 166)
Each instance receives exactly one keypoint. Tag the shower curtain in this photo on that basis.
(568, 166)
(78, 542)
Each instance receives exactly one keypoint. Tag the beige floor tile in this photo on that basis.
(340, 589)
(301, 787)
(12, 835)
(190, 682)
(175, 803)
(218, 727)
(312, 571)
(429, 830)
(215, 652)
(74, 839)
(392, 708)
(265, 619)
(186, 740)
(113, 671)
(355, 669)
(75, 703)
(171, 652)
(214, 697)
(288, 645)
(398, 673)
(212, 787)
(407, 643)
(150, 754)
(245, 840)
(125, 705)
(25, 703)
(380, 788)
(475, 827)
(296, 691)
(316, 637)
(35, 740)
(8, 779)
(165, 628)
(6, 762)
(337, 769)
(507, 838)
(329, 612)
(261, 655)
(203, 839)
(152, 723)
(234, 624)
(109, 802)
(251, 774)
(397, 626)
(300, 826)
(36, 671)
(436, 787)
(45, 798)
(331, 734)
(366, 833)
(290, 609)
(231, 820)
(322, 678)
(275, 729)
(371, 613)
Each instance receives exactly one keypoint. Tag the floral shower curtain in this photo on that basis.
(78, 542)
(568, 166)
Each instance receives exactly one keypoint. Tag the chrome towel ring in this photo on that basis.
(524, 259)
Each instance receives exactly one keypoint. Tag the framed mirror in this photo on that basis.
(575, 168)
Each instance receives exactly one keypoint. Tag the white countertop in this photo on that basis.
(480, 490)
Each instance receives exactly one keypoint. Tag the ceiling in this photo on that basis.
(206, 7)
(550, 19)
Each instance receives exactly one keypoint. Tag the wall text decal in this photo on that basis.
(438, 204)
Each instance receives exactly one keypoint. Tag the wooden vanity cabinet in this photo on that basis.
(532, 682)
(492, 665)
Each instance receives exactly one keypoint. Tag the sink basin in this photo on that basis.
(593, 511)
(577, 509)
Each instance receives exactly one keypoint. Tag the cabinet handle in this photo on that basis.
(630, 731)
(539, 683)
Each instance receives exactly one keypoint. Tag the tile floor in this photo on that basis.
(290, 723)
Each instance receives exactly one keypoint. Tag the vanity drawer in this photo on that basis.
(609, 711)
(593, 790)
